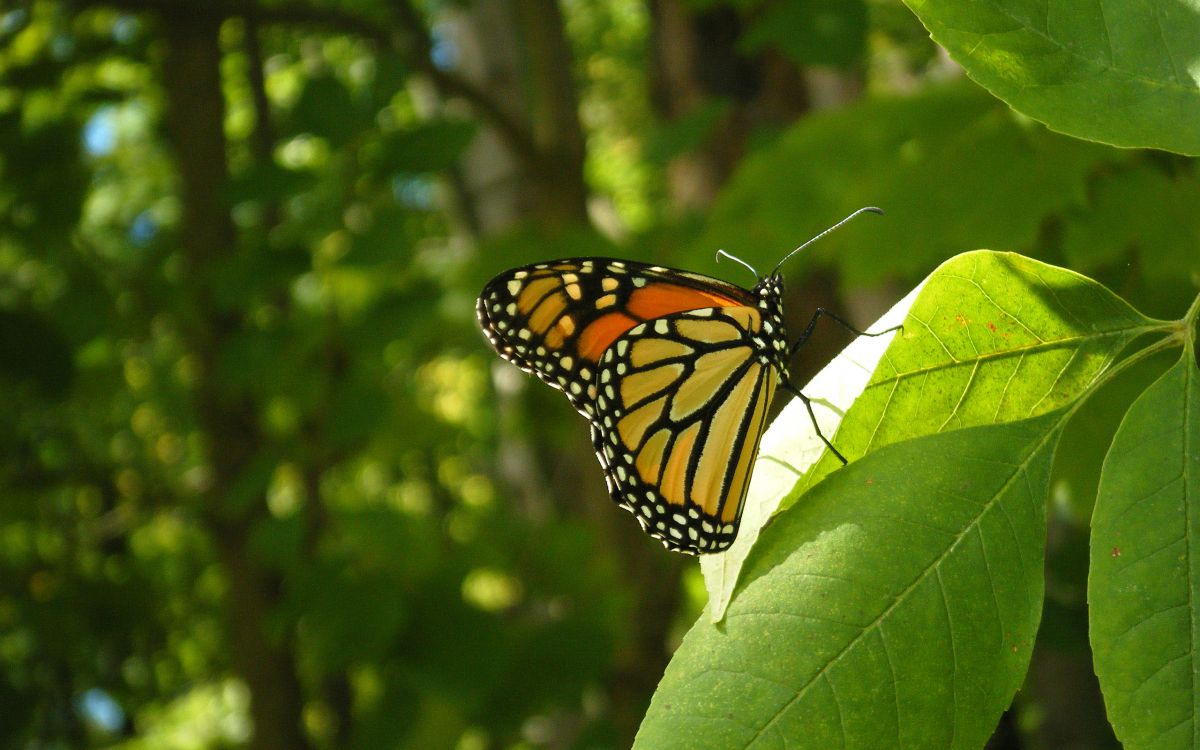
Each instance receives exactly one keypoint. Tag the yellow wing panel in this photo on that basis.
(720, 444)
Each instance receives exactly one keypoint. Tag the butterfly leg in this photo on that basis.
(812, 324)
(787, 386)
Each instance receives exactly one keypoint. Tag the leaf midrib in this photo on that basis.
(1046, 345)
(1187, 516)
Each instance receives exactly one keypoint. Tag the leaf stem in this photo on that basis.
(1110, 374)
(1193, 312)
(1190, 327)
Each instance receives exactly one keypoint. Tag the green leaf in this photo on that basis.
(1084, 445)
(326, 109)
(1145, 575)
(32, 350)
(811, 32)
(1118, 73)
(268, 182)
(686, 133)
(895, 607)
(1143, 210)
(993, 337)
(427, 147)
(953, 168)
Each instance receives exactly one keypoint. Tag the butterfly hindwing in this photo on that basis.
(680, 409)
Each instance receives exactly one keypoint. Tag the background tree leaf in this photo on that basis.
(33, 351)
(915, 156)
(1142, 212)
(811, 32)
(427, 147)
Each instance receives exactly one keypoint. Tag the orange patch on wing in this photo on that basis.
(533, 292)
(747, 317)
(559, 333)
(657, 299)
(547, 312)
(601, 332)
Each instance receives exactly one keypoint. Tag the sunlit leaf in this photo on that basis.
(993, 337)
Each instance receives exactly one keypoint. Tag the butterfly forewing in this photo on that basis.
(674, 370)
(557, 319)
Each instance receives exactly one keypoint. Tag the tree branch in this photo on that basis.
(414, 45)
(420, 54)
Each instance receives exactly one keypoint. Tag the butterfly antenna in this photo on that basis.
(867, 209)
(735, 259)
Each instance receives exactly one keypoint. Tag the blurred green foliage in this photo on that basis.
(428, 566)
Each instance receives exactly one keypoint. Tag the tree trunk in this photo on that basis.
(517, 51)
(694, 61)
(561, 192)
(195, 119)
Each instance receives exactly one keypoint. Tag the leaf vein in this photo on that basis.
(887, 655)
(837, 705)
(1152, 616)
(991, 578)
(1048, 345)
(792, 615)
(1150, 677)
(963, 397)
(953, 657)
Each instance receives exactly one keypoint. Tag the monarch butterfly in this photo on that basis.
(674, 371)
